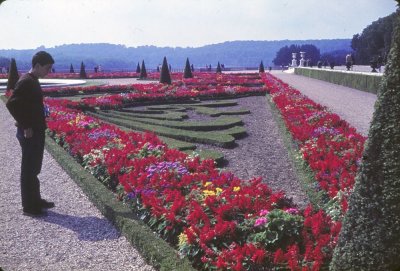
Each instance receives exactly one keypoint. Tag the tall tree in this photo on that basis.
(188, 71)
(82, 72)
(261, 67)
(370, 235)
(13, 75)
(138, 68)
(165, 77)
(143, 72)
(71, 69)
(219, 70)
(374, 40)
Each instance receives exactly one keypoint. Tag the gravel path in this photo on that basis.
(354, 106)
(262, 152)
(74, 236)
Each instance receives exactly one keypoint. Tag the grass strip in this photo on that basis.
(212, 112)
(221, 138)
(179, 107)
(142, 111)
(213, 104)
(189, 105)
(164, 116)
(177, 144)
(208, 154)
(155, 250)
(236, 131)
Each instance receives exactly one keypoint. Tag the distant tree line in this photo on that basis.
(284, 55)
(120, 57)
(372, 44)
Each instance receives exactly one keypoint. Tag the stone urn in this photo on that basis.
(294, 60)
(302, 60)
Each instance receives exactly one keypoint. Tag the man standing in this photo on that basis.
(26, 106)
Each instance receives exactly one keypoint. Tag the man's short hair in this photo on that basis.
(43, 58)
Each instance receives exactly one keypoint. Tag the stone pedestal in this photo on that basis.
(294, 60)
(302, 60)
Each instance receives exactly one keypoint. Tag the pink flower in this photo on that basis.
(264, 212)
(260, 221)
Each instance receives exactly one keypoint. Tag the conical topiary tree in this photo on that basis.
(82, 72)
(219, 70)
(143, 72)
(71, 69)
(370, 235)
(165, 77)
(188, 71)
(13, 75)
(138, 68)
(261, 68)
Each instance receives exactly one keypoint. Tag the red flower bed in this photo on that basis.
(187, 201)
(330, 146)
(215, 219)
(203, 85)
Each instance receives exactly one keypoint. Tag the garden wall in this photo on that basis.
(361, 81)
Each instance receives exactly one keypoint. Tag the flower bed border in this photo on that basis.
(155, 250)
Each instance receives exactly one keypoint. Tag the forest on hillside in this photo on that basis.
(374, 41)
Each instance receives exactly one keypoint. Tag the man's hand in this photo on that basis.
(28, 133)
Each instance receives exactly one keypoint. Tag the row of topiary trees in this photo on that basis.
(165, 76)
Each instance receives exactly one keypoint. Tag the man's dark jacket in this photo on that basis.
(26, 103)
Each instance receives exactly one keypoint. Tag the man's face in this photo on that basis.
(44, 70)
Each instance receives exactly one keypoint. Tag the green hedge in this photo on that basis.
(162, 116)
(188, 105)
(209, 125)
(222, 138)
(360, 81)
(155, 250)
(212, 112)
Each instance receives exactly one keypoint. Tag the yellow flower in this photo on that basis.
(218, 190)
(182, 239)
(208, 193)
(236, 189)
(207, 184)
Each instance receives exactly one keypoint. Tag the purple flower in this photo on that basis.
(324, 131)
(292, 211)
(95, 135)
(166, 166)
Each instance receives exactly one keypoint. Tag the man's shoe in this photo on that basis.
(46, 204)
(34, 212)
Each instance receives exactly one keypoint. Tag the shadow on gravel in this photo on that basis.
(88, 228)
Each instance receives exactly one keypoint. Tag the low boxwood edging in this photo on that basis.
(222, 139)
(360, 81)
(207, 125)
(155, 250)
(302, 169)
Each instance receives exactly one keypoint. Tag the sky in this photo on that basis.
(28, 24)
